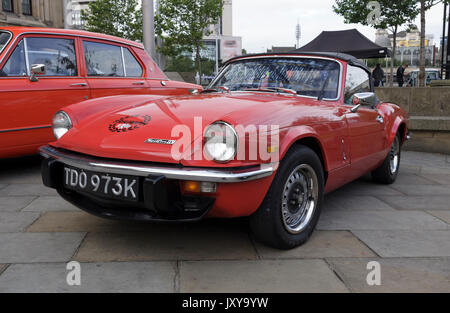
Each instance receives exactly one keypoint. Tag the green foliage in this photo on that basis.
(371, 63)
(393, 13)
(180, 64)
(186, 64)
(182, 24)
(121, 18)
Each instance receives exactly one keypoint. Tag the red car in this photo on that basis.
(271, 136)
(43, 70)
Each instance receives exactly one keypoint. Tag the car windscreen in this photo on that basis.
(306, 76)
(4, 39)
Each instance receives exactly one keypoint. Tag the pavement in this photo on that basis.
(404, 227)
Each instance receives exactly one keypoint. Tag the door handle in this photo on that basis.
(139, 83)
(380, 119)
(79, 85)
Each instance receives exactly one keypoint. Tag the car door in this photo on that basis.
(113, 69)
(27, 106)
(366, 125)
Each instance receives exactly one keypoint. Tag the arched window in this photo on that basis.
(27, 8)
(7, 5)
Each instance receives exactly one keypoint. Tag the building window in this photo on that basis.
(27, 7)
(7, 5)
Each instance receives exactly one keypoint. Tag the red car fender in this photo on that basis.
(398, 122)
(297, 133)
(394, 117)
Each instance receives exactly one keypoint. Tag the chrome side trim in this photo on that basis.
(142, 169)
(86, 36)
(123, 62)
(27, 57)
(23, 129)
(9, 40)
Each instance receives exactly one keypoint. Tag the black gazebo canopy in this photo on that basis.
(346, 41)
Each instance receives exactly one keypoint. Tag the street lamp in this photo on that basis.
(148, 15)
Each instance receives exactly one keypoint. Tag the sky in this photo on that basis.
(266, 23)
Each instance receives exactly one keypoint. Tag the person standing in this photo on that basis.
(401, 75)
(378, 75)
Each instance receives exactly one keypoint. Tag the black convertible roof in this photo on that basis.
(335, 55)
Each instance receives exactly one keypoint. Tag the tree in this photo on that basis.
(387, 14)
(425, 5)
(120, 18)
(182, 24)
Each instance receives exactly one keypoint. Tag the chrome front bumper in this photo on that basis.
(142, 169)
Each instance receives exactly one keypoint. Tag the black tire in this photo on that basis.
(268, 224)
(387, 173)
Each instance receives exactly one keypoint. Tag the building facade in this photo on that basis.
(73, 13)
(34, 13)
(222, 37)
(408, 46)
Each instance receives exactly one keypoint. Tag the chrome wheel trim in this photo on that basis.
(299, 199)
(394, 156)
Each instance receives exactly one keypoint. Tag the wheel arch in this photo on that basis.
(309, 139)
(399, 126)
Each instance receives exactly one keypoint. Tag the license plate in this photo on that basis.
(101, 184)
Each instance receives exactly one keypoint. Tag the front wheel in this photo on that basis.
(388, 171)
(291, 209)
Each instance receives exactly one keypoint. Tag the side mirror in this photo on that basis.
(37, 69)
(364, 98)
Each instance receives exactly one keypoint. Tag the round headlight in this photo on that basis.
(221, 142)
(61, 124)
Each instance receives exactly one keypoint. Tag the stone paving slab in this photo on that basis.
(27, 190)
(424, 159)
(14, 204)
(442, 215)
(423, 190)
(3, 186)
(152, 277)
(50, 203)
(322, 244)
(410, 169)
(35, 248)
(83, 222)
(340, 201)
(366, 188)
(417, 202)
(259, 276)
(410, 243)
(439, 178)
(408, 275)
(16, 222)
(2, 268)
(377, 220)
(435, 170)
(412, 179)
(171, 243)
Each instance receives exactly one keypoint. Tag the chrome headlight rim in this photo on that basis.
(236, 142)
(68, 127)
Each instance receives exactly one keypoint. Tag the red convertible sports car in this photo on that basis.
(44, 69)
(270, 137)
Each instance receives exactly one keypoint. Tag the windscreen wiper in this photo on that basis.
(218, 89)
(273, 89)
